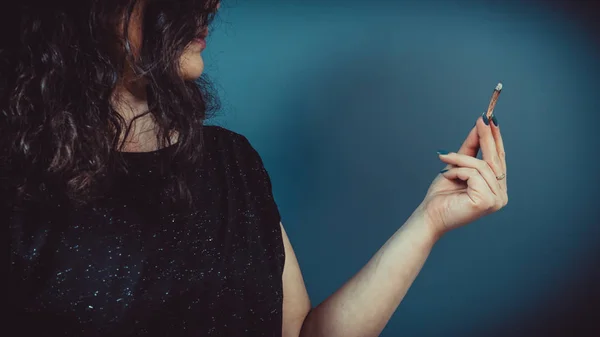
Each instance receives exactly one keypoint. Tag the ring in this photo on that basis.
(502, 176)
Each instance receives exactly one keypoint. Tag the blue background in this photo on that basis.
(347, 103)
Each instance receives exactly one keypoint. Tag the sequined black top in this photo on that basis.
(127, 265)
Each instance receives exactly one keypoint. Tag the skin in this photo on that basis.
(129, 97)
(467, 191)
(464, 193)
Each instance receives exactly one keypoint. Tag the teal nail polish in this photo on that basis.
(444, 170)
(486, 121)
(494, 120)
(442, 152)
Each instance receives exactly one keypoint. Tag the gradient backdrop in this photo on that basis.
(348, 101)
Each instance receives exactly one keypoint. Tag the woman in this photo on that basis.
(128, 216)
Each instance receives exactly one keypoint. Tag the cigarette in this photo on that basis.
(495, 95)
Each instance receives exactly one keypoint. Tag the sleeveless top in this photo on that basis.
(128, 265)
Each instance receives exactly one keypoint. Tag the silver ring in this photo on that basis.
(502, 176)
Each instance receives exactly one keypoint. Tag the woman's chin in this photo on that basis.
(192, 66)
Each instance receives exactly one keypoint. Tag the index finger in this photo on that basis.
(470, 146)
(489, 152)
(499, 142)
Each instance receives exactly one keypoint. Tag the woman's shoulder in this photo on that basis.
(225, 142)
(232, 156)
(225, 145)
(221, 135)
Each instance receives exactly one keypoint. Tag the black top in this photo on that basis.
(128, 265)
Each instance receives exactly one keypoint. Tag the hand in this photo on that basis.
(468, 188)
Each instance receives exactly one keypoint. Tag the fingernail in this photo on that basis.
(442, 152)
(494, 120)
(444, 170)
(485, 119)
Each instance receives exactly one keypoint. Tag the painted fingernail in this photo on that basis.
(494, 120)
(444, 171)
(442, 152)
(486, 121)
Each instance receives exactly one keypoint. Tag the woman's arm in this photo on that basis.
(296, 303)
(363, 306)
(466, 190)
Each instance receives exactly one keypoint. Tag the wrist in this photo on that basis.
(428, 227)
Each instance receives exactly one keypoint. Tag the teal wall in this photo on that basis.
(348, 101)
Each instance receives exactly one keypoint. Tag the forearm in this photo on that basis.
(363, 306)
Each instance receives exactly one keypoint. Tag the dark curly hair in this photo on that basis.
(58, 69)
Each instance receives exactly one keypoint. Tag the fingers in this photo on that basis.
(499, 142)
(479, 193)
(489, 150)
(485, 136)
(470, 146)
(484, 169)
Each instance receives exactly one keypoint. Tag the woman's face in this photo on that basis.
(191, 63)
